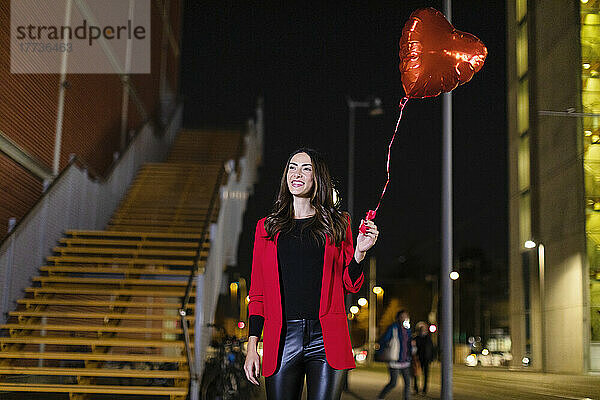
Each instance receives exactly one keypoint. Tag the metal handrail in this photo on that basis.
(193, 270)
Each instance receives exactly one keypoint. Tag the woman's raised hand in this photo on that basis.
(365, 241)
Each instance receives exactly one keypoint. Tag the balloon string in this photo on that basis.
(402, 104)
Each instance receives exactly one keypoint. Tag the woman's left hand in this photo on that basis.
(367, 240)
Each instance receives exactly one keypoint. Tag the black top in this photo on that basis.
(300, 259)
(424, 348)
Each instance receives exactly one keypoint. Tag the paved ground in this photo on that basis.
(479, 384)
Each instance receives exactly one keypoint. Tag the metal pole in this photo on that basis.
(542, 271)
(62, 87)
(372, 309)
(351, 109)
(446, 282)
(351, 159)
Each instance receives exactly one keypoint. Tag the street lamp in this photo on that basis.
(531, 244)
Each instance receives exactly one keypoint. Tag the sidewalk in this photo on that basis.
(476, 384)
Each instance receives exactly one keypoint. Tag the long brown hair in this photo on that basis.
(329, 220)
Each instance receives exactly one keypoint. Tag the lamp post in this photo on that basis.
(447, 239)
(541, 253)
(374, 106)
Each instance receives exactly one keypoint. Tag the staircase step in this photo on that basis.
(149, 220)
(145, 243)
(70, 341)
(158, 229)
(90, 315)
(122, 271)
(107, 389)
(107, 281)
(125, 251)
(92, 328)
(108, 372)
(80, 233)
(167, 213)
(109, 292)
(101, 303)
(121, 260)
(91, 356)
(199, 224)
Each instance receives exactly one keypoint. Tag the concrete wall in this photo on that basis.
(558, 196)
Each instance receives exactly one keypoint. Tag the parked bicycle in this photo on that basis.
(224, 377)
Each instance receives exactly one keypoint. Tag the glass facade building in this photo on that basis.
(553, 83)
(590, 133)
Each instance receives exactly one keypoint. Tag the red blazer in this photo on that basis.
(265, 298)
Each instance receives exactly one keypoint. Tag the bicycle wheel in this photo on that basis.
(209, 390)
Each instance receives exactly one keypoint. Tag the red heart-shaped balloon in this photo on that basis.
(435, 57)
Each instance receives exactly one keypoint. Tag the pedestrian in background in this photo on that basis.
(398, 335)
(424, 353)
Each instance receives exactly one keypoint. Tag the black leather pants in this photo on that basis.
(303, 353)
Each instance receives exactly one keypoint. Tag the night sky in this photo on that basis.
(304, 59)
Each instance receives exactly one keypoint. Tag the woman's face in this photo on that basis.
(300, 177)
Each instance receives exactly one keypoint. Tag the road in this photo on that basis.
(480, 384)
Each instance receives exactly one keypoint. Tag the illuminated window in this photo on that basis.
(522, 50)
(523, 106)
(521, 9)
(524, 163)
(590, 99)
(525, 217)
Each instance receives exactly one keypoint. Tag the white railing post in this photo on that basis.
(7, 289)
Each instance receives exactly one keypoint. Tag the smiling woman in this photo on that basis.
(303, 261)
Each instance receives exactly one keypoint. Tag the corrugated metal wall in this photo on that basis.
(92, 114)
(18, 191)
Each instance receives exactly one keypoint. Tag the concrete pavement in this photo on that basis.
(478, 384)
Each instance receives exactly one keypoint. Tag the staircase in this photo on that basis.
(101, 320)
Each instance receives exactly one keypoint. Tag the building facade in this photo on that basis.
(553, 78)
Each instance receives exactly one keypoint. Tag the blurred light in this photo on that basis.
(588, 133)
(354, 310)
(406, 323)
(233, 286)
(432, 328)
(362, 356)
(377, 290)
(241, 325)
(376, 107)
(586, 65)
(362, 302)
(454, 275)
(595, 138)
(470, 358)
(350, 316)
(471, 339)
(584, 1)
(247, 299)
(530, 244)
(525, 361)
(597, 206)
(335, 196)
(485, 352)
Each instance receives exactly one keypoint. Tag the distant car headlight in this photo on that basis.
(470, 358)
